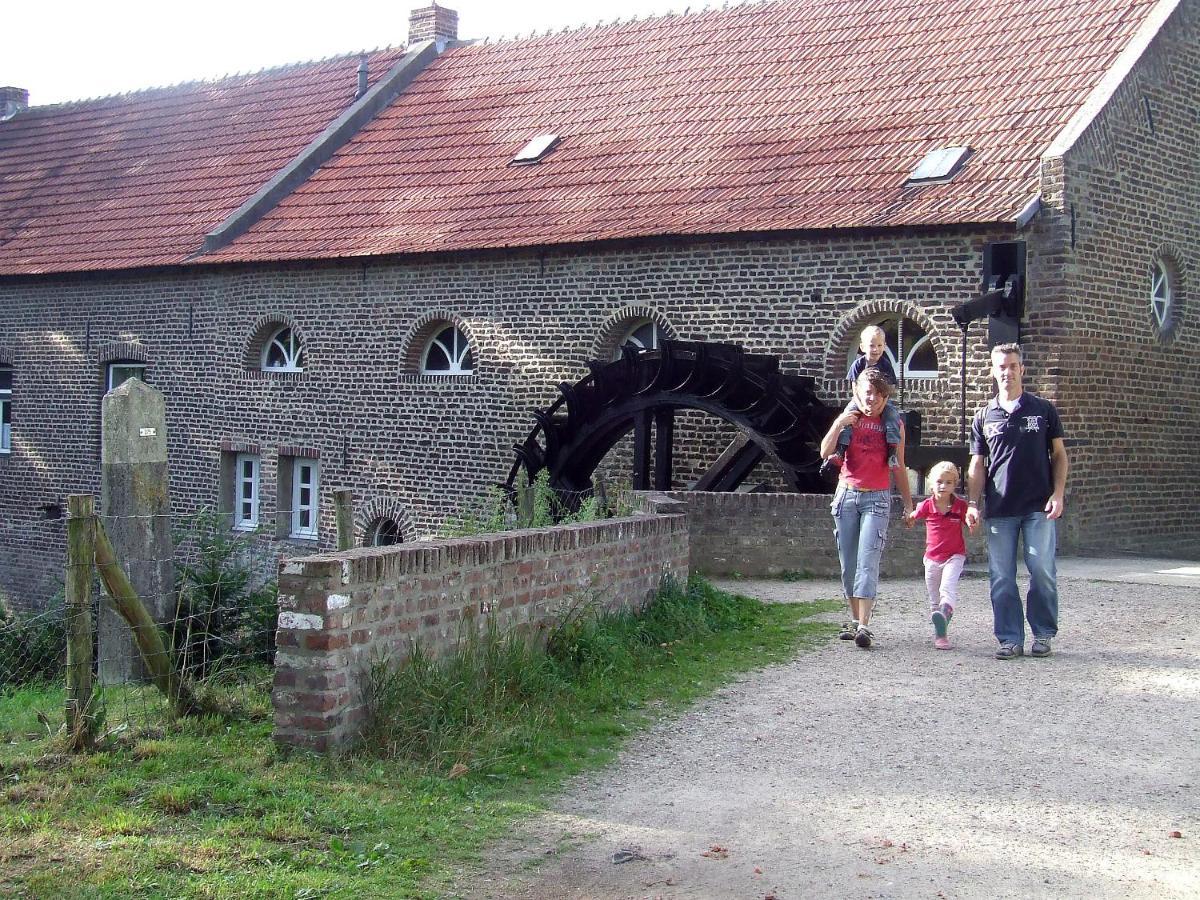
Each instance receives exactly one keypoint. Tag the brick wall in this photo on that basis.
(420, 446)
(1125, 195)
(765, 535)
(339, 612)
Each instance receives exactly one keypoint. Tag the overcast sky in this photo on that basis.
(63, 50)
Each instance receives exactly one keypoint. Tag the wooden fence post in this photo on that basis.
(81, 546)
(343, 507)
(145, 631)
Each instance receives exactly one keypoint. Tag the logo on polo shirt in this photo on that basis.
(1032, 423)
(993, 429)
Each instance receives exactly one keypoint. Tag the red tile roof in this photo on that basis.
(138, 179)
(774, 115)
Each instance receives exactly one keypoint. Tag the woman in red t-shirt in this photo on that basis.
(862, 505)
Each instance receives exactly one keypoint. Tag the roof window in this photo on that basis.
(940, 165)
(536, 149)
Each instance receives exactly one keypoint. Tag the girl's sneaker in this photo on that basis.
(941, 619)
(941, 643)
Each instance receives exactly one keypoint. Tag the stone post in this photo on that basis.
(135, 510)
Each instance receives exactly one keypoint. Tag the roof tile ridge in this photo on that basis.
(1118, 70)
(211, 81)
(318, 151)
(692, 10)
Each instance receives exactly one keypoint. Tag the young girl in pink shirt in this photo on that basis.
(945, 548)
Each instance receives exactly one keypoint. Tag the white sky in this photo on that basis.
(63, 50)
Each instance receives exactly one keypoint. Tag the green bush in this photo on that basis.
(33, 649)
(535, 505)
(223, 611)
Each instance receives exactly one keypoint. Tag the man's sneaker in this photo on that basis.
(941, 643)
(848, 631)
(1041, 647)
(862, 637)
(830, 466)
(1009, 651)
(940, 619)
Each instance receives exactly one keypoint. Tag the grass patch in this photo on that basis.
(208, 807)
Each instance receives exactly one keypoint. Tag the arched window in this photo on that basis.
(283, 352)
(920, 356)
(642, 334)
(1161, 299)
(447, 353)
(384, 532)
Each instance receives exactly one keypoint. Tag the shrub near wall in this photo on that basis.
(340, 611)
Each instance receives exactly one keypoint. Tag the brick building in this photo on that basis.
(344, 273)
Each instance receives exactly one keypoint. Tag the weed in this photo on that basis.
(496, 694)
(793, 575)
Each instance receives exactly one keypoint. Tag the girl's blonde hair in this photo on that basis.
(938, 469)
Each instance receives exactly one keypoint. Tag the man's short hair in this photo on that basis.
(1005, 349)
(877, 379)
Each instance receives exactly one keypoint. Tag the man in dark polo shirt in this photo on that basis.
(1017, 453)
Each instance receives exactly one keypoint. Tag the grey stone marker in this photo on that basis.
(135, 507)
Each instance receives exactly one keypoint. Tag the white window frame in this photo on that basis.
(1161, 295)
(246, 519)
(456, 352)
(910, 350)
(293, 351)
(627, 337)
(6, 413)
(306, 472)
(123, 364)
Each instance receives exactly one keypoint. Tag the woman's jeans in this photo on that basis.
(860, 522)
(1042, 603)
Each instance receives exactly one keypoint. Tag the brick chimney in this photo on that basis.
(432, 22)
(12, 101)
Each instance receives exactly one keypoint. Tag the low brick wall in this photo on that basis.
(759, 535)
(341, 611)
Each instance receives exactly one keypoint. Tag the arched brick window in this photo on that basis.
(1165, 295)
(639, 327)
(447, 352)
(383, 532)
(920, 354)
(283, 352)
(276, 347)
(440, 344)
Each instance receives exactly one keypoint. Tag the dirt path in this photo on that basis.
(908, 772)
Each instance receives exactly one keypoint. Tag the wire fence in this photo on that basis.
(214, 611)
(211, 596)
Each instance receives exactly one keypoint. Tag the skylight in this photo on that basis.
(940, 165)
(536, 149)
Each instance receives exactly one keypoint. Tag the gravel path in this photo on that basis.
(907, 772)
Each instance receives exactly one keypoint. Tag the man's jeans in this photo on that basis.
(1042, 603)
(860, 522)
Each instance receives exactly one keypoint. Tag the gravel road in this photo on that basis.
(904, 771)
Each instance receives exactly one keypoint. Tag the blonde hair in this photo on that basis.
(938, 469)
(869, 332)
